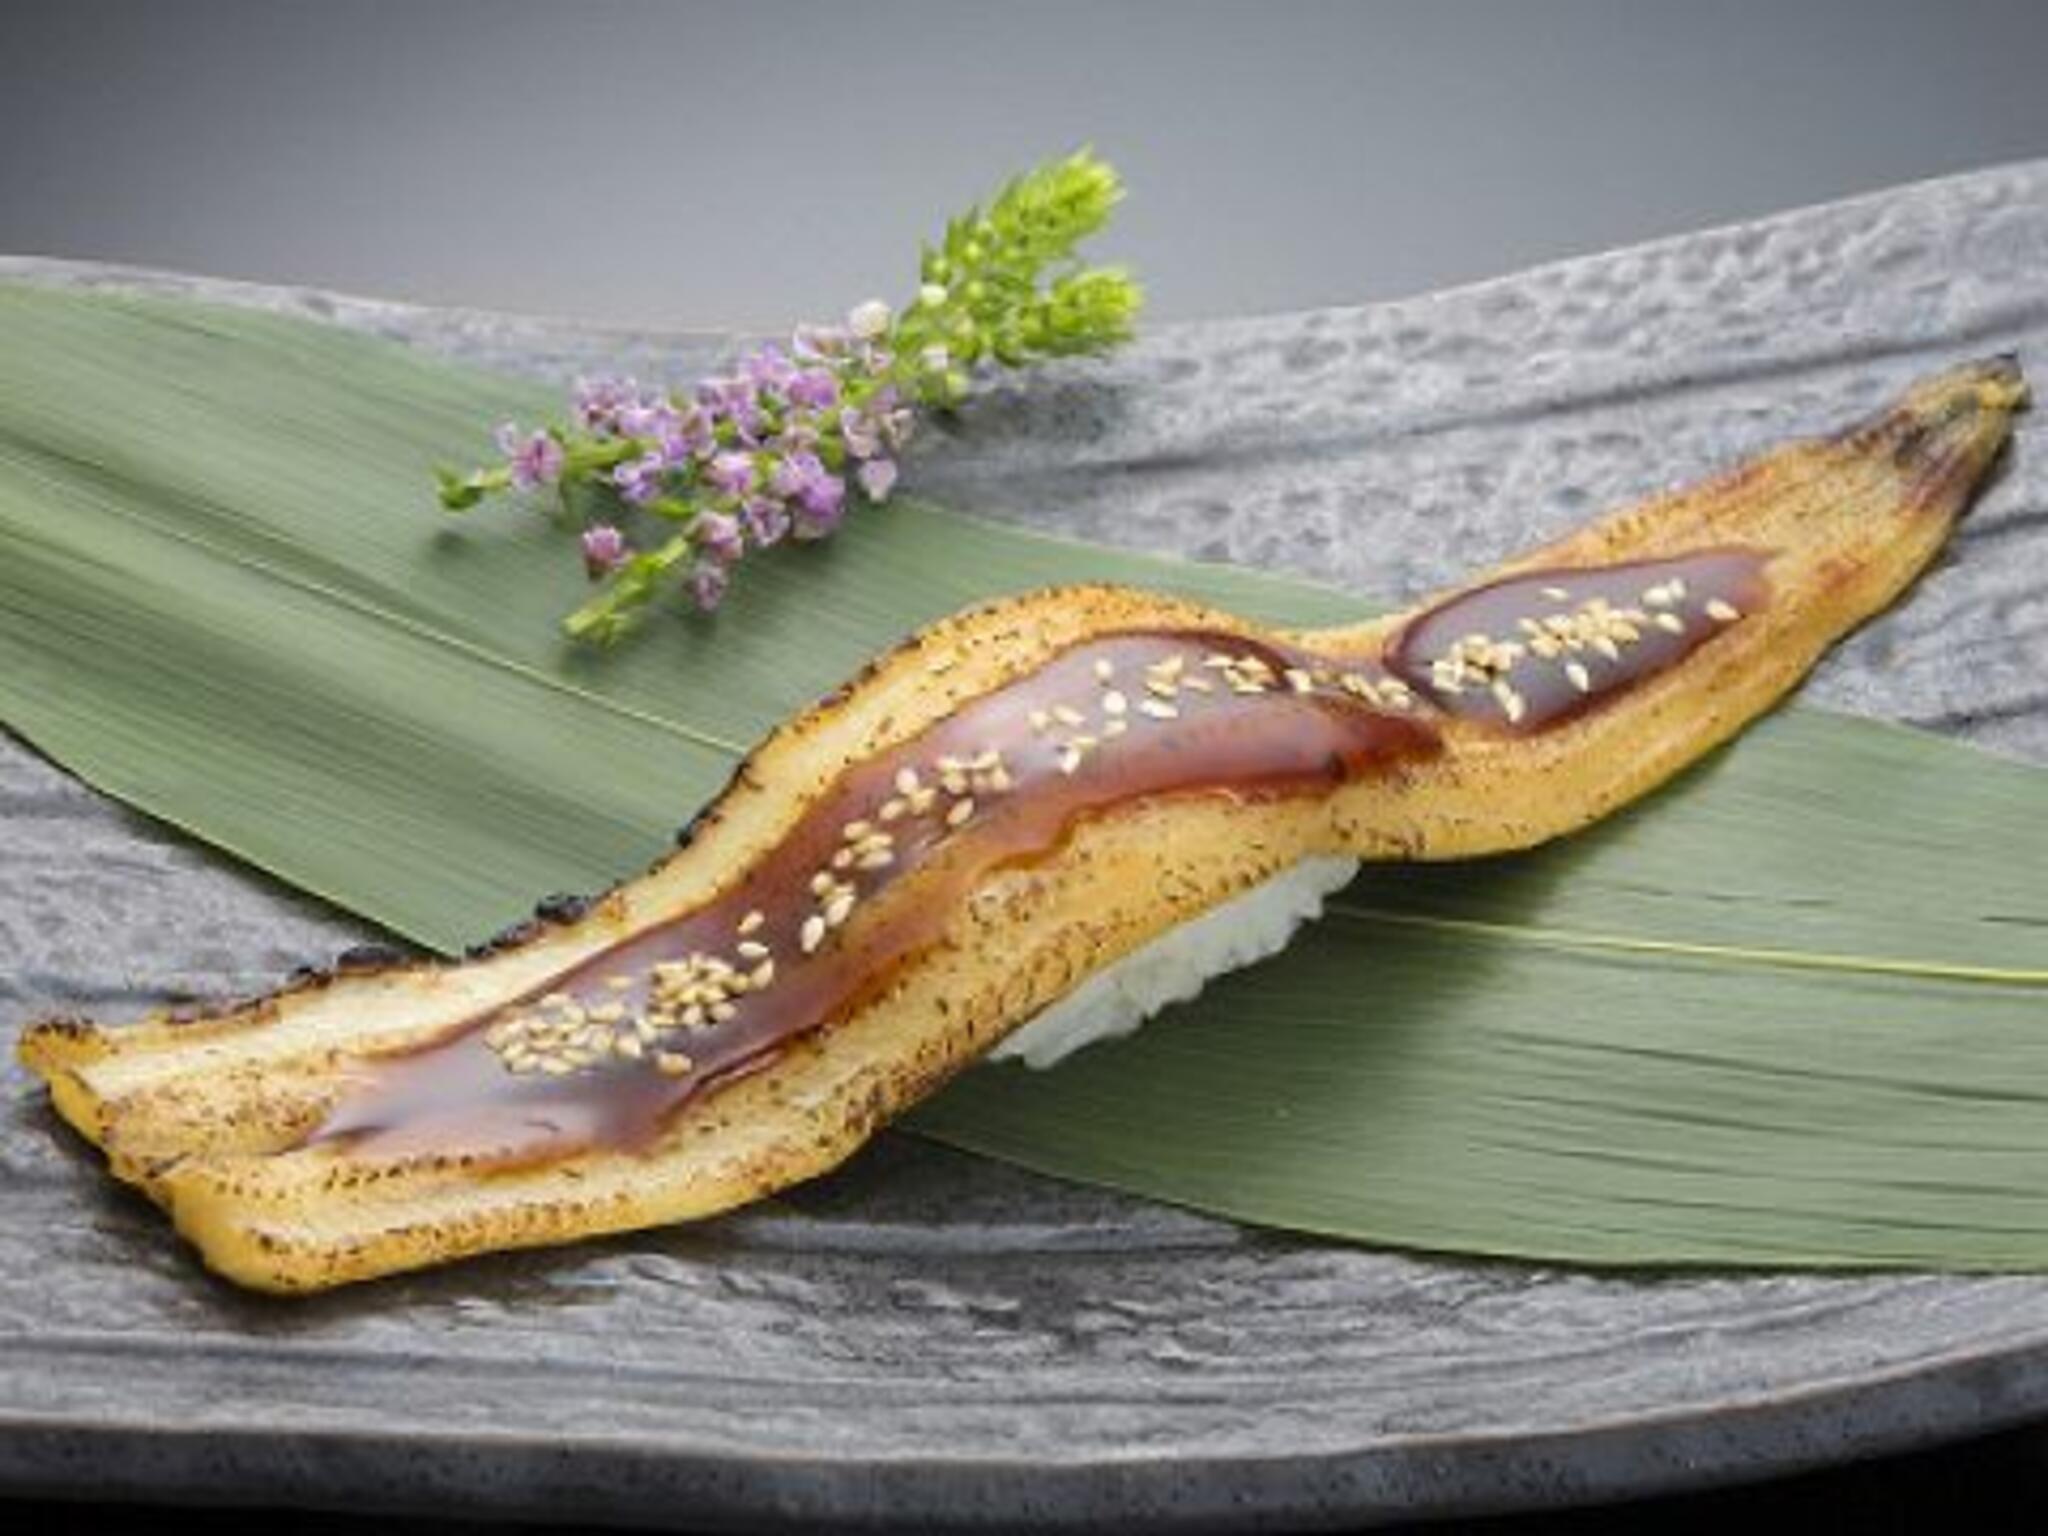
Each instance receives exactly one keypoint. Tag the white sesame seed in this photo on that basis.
(1580, 678)
(837, 910)
(1300, 681)
(999, 779)
(1721, 611)
(854, 831)
(752, 949)
(1069, 759)
(1670, 622)
(1114, 702)
(1657, 597)
(1555, 594)
(1158, 709)
(812, 934)
(630, 1047)
(722, 1012)
(876, 858)
(1676, 587)
(672, 1063)
(1040, 720)
(822, 883)
(1164, 687)
(1198, 683)
(618, 983)
(1104, 669)
(1510, 701)
(959, 811)
(1066, 714)
(1606, 647)
(906, 781)
(1114, 728)
(762, 974)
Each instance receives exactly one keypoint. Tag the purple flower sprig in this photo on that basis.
(781, 448)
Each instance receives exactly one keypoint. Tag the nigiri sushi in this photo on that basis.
(1032, 824)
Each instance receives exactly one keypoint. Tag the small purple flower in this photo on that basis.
(536, 458)
(814, 389)
(819, 506)
(790, 475)
(799, 434)
(877, 478)
(819, 341)
(652, 416)
(732, 473)
(708, 581)
(639, 480)
(732, 400)
(598, 401)
(861, 433)
(718, 537)
(896, 427)
(765, 519)
(767, 367)
(688, 436)
(604, 549)
(877, 425)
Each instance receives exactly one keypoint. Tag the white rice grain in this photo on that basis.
(1174, 966)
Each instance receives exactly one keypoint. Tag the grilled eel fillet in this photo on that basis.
(628, 1061)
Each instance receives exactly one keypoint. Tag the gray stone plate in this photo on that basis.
(928, 1336)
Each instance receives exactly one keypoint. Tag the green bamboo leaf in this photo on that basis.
(1791, 1010)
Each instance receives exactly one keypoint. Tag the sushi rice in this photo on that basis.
(1174, 966)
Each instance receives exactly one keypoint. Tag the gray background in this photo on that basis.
(687, 165)
(751, 165)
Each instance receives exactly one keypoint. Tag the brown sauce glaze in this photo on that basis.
(1540, 648)
(604, 1053)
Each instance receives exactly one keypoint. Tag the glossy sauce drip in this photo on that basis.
(1000, 781)
(1543, 647)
